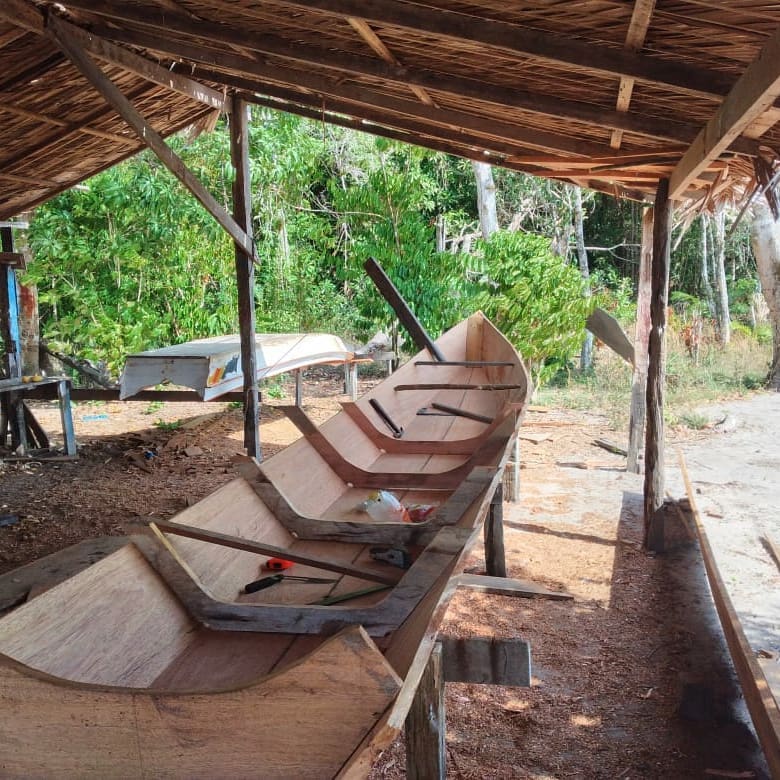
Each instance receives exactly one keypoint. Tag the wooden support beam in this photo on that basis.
(364, 30)
(506, 586)
(486, 661)
(13, 259)
(345, 64)
(755, 91)
(114, 97)
(490, 32)
(425, 728)
(636, 425)
(654, 444)
(495, 558)
(401, 308)
(635, 38)
(245, 274)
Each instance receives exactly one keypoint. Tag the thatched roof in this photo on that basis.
(607, 94)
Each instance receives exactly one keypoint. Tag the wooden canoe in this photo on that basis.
(154, 661)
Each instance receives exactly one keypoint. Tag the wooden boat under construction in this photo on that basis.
(156, 662)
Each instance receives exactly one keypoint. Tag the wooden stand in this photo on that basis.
(495, 559)
(425, 728)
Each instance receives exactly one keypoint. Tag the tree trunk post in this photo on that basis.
(765, 240)
(636, 425)
(245, 274)
(425, 728)
(582, 256)
(493, 530)
(486, 198)
(654, 444)
(719, 267)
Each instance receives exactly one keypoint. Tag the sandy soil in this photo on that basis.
(630, 680)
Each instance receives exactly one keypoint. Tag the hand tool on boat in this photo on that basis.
(266, 582)
(277, 564)
(395, 556)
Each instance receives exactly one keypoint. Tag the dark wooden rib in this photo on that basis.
(353, 475)
(449, 513)
(434, 563)
(462, 413)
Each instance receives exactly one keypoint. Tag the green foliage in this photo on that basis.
(174, 425)
(533, 297)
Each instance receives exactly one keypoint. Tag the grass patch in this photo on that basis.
(168, 426)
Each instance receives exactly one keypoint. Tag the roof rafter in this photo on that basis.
(114, 97)
(457, 86)
(635, 38)
(754, 92)
(515, 39)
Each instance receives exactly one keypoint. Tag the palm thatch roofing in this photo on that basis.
(607, 94)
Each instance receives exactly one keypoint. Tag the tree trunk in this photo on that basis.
(765, 239)
(486, 198)
(582, 256)
(719, 268)
(705, 270)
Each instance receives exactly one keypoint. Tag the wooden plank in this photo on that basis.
(607, 329)
(426, 751)
(754, 92)
(66, 416)
(271, 550)
(35, 430)
(245, 273)
(636, 426)
(151, 71)
(401, 308)
(635, 38)
(654, 444)
(761, 703)
(465, 363)
(495, 558)
(145, 131)
(506, 586)
(486, 661)
(13, 259)
(456, 386)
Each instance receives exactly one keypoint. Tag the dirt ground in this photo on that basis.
(630, 680)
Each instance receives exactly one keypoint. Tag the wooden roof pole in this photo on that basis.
(245, 274)
(656, 370)
(114, 97)
(363, 29)
(755, 91)
(635, 38)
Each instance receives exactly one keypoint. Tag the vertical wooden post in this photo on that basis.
(9, 311)
(495, 559)
(299, 387)
(636, 425)
(426, 757)
(245, 274)
(66, 416)
(654, 444)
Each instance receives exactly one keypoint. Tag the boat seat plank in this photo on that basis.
(123, 600)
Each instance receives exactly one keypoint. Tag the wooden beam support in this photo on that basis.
(493, 530)
(635, 38)
(755, 91)
(245, 274)
(401, 308)
(456, 85)
(636, 425)
(486, 661)
(363, 29)
(513, 38)
(114, 97)
(425, 728)
(654, 444)
(506, 586)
